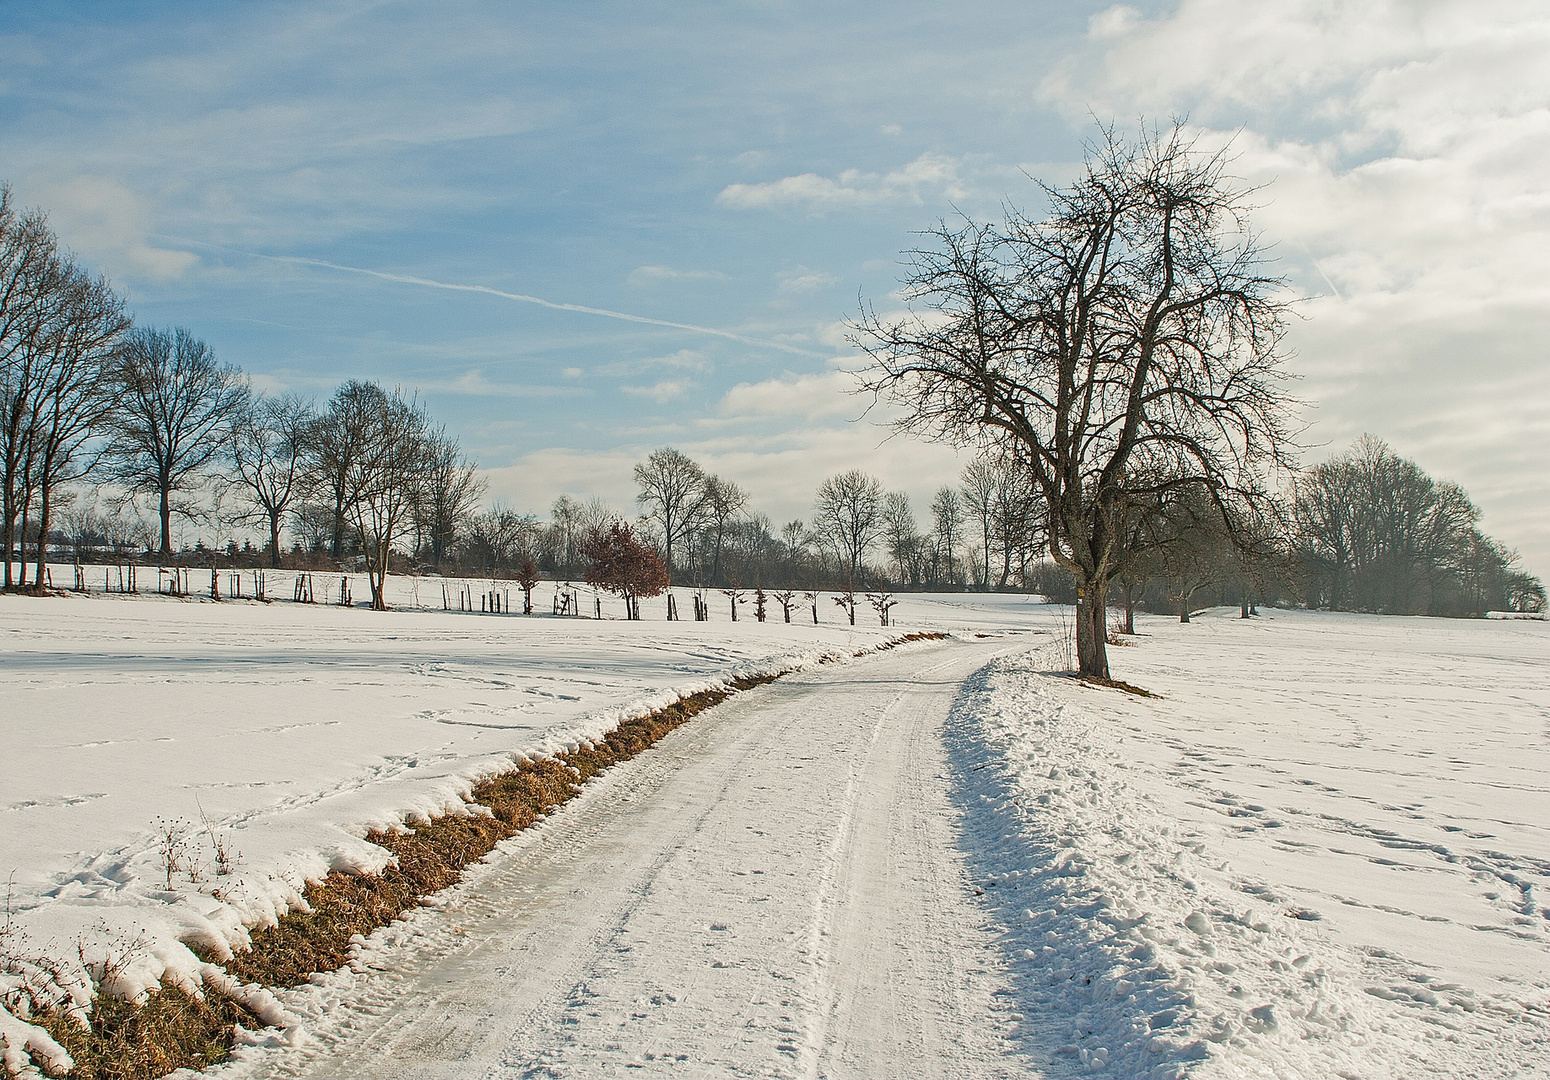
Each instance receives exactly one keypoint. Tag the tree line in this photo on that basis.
(157, 419)
(1115, 367)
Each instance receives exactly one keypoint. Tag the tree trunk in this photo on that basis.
(166, 521)
(1092, 657)
(274, 540)
(21, 545)
(43, 516)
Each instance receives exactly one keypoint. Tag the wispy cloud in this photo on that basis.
(661, 392)
(802, 279)
(653, 275)
(933, 173)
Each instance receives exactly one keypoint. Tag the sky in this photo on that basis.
(583, 232)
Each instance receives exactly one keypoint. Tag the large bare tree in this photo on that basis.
(671, 486)
(1133, 333)
(177, 405)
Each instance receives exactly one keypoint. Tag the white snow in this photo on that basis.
(285, 732)
(1322, 850)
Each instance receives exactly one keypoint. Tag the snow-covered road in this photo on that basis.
(778, 889)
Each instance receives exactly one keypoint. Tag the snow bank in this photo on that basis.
(1243, 878)
(175, 770)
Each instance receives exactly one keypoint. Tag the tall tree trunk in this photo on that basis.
(274, 539)
(21, 545)
(1092, 607)
(166, 520)
(44, 510)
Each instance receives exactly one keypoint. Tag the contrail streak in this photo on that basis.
(408, 279)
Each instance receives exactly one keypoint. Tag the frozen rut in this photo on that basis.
(777, 889)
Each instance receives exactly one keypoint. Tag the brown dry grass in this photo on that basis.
(171, 1030)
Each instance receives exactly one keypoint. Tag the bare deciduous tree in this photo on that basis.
(29, 264)
(672, 487)
(333, 443)
(1135, 331)
(720, 504)
(450, 490)
(385, 475)
(72, 368)
(269, 451)
(947, 519)
(848, 514)
(176, 409)
(901, 534)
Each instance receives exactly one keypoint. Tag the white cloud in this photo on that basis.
(109, 225)
(661, 392)
(473, 383)
(655, 275)
(682, 360)
(1402, 151)
(829, 394)
(801, 279)
(933, 173)
(1113, 22)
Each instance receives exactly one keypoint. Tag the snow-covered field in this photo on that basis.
(285, 731)
(1321, 851)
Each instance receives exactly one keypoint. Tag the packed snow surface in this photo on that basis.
(1321, 850)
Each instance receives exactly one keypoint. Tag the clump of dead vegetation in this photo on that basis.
(170, 1029)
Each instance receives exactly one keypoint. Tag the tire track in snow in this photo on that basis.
(774, 890)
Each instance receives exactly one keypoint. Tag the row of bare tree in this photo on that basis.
(157, 419)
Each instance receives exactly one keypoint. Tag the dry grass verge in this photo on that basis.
(171, 1030)
(174, 1030)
